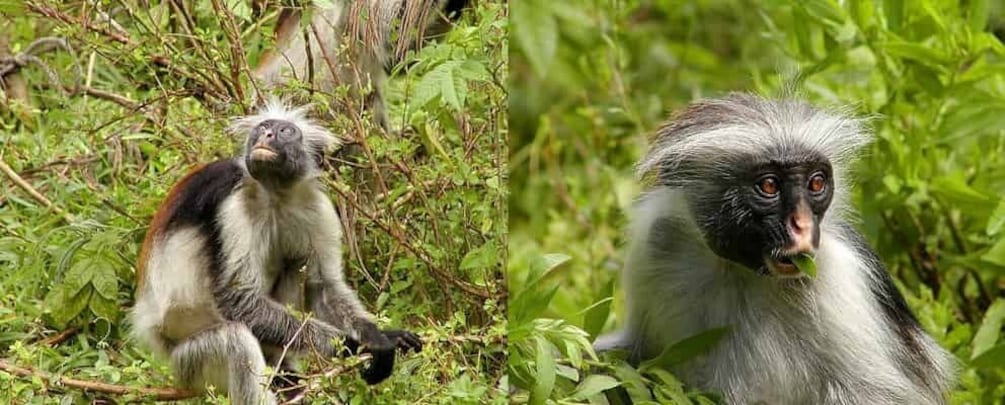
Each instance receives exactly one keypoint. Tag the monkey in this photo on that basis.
(309, 48)
(740, 186)
(238, 242)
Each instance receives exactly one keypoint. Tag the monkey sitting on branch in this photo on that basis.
(233, 245)
(748, 194)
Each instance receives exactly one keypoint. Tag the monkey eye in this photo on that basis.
(768, 186)
(817, 183)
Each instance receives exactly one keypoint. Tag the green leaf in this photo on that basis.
(104, 280)
(997, 219)
(103, 307)
(545, 367)
(806, 264)
(542, 265)
(687, 348)
(593, 385)
(990, 328)
(485, 256)
(596, 315)
(70, 306)
(536, 33)
(996, 254)
(991, 358)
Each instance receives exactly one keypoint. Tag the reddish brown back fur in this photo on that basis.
(158, 224)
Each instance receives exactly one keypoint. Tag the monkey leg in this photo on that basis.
(226, 356)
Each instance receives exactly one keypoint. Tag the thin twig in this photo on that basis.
(57, 15)
(62, 336)
(11, 174)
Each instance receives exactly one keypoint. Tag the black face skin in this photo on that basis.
(288, 160)
(746, 216)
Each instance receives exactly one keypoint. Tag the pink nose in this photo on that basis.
(800, 226)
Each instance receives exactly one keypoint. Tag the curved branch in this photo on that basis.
(158, 394)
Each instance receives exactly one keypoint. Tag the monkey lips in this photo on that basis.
(791, 265)
(261, 152)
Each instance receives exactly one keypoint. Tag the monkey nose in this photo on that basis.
(800, 227)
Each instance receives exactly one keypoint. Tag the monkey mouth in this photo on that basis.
(262, 152)
(781, 265)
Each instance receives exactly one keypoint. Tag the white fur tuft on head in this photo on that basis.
(695, 142)
(316, 137)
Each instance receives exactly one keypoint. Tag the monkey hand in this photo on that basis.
(404, 340)
(381, 350)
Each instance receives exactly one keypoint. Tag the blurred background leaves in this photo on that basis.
(591, 80)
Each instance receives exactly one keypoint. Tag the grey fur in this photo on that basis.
(214, 308)
(826, 340)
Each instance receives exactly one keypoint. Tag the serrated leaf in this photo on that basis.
(70, 307)
(103, 307)
(104, 279)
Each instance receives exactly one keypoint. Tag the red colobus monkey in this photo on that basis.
(315, 49)
(743, 185)
(234, 244)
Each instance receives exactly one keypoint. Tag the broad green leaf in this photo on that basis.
(70, 307)
(545, 366)
(990, 328)
(593, 385)
(991, 358)
(536, 33)
(996, 254)
(104, 307)
(596, 315)
(541, 266)
(997, 219)
(687, 348)
(485, 256)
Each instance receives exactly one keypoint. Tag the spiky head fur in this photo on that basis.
(705, 140)
(316, 139)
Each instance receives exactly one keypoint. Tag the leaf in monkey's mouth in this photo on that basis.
(805, 263)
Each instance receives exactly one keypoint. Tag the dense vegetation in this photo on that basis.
(120, 99)
(590, 81)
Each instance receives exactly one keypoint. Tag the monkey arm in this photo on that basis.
(272, 324)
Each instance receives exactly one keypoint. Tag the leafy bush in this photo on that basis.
(590, 81)
(142, 93)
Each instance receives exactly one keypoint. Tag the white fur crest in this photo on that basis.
(316, 137)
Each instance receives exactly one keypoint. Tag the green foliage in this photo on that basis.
(589, 81)
(422, 206)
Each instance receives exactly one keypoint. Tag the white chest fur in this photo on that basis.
(266, 231)
(823, 340)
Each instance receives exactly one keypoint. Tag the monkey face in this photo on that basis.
(767, 210)
(276, 153)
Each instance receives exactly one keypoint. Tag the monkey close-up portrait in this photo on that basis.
(253, 202)
(757, 203)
